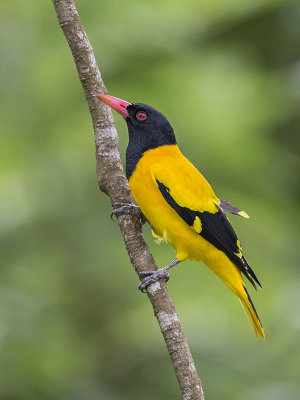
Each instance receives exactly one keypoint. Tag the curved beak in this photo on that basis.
(115, 103)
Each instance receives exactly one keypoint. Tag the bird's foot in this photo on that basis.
(127, 209)
(153, 276)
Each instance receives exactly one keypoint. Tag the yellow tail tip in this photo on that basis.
(249, 308)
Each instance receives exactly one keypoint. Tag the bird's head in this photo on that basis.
(148, 128)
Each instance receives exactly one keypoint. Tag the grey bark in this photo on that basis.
(111, 180)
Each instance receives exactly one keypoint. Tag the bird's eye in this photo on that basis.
(141, 115)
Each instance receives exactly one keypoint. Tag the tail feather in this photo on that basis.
(249, 308)
(232, 277)
(250, 275)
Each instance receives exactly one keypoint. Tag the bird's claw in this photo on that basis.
(153, 276)
(125, 208)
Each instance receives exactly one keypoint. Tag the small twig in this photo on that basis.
(112, 181)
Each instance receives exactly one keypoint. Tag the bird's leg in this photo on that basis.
(127, 208)
(154, 276)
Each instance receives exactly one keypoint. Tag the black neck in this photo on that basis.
(134, 154)
(146, 137)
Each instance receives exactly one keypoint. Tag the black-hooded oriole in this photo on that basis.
(180, 204)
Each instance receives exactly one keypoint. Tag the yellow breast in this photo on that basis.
(171, 167)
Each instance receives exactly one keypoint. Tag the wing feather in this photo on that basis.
(212, 226)
(232, 209)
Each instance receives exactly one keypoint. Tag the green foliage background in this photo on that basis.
(72, 323)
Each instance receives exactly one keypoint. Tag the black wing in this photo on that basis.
(216, 229)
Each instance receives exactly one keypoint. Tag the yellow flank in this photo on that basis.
(157, 238)
(189, 189)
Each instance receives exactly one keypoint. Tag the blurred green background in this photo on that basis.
(72, 323)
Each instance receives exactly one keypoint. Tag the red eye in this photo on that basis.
(141, 115)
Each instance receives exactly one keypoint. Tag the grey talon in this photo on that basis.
(128, 209)
(154, 276)
(125, 209)
(145, 273)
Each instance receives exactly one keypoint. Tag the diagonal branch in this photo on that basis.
(112, 181)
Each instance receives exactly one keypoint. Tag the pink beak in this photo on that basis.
(115, 103)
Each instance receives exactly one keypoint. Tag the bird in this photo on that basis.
(180, 205)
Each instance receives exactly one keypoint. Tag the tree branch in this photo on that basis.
(112, 181)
